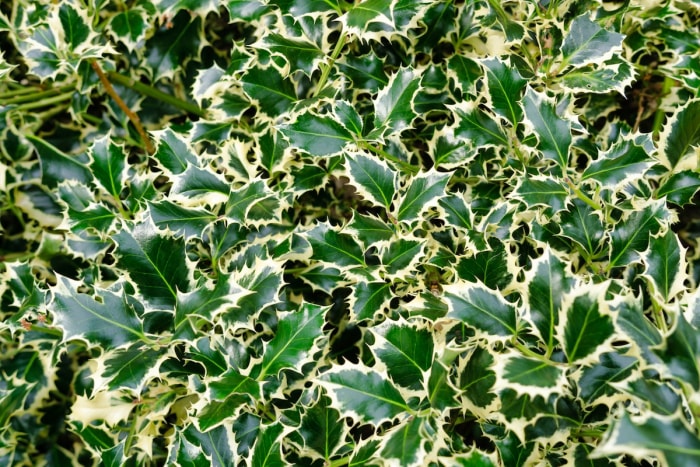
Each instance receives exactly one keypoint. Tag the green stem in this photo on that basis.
(46, 330)
(45, 102)
(155, 93)
(325, 73)
(19, 91)
(660, 114)
(583, 197)
(28, 97)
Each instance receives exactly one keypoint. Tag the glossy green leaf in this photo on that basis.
(375, 179)
(57, 166)
(268, 448)
(665, 266)
(457, 211)
(371, 229)
(631, 236)
(367, 394)
(681, 137)
(476, 126)
(173, 152)
(109, 166)
(336, 248)
(668, 438)
(549, 281)
(542, 191)
(206, 301)
(321, 428)
(596, 381)
(187, 221)
(623, 162)
(394, 104)
(360, 17)
(505, 87)
(131, 367)
(108, 320)
(587, 327)
(582, 225)
(200, 184)
(630, 318)
(75, 27)
(423, 191)
(402, 255)
(83, 211)
(478, 378)
(294, 339)
(532, 373)
(680, 352)
(680, 188)
(215, 443)
(243, 202)
(586, 42)
(488, 266)
(553, 132)
(482, 309)
(262, 284)
(365, 71)
(441, 393)
(155, 263)
(170, 47)
(370, 298)
(130, 27)
(299, 53)
(319, 136)
(406, 444)
(273, 93)
(406, 351)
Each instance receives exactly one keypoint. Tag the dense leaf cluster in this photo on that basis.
(384, 232)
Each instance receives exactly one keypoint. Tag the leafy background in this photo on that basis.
(352, 233)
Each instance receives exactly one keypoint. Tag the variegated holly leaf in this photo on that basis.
(505, 87)
(631, 236)
(406, 351)
(319, 136)
(375, 179)
(586, 42)
(623, 163)
(423, 191)
(678, 143)
(394, 104)
(553, 132)
(680, 188)
(365, 393)
(588, 324)
(482, 309)
(296, 333)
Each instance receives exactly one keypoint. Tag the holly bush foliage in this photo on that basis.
(319, 232)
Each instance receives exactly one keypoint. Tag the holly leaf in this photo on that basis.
(393, 107)
(586, 43)
(155, 262)
(422, 192)
(130, 27)
(364, 14)
(371, 230)
(321, 428)
(300, 54)
(680, 188)
(553, 132)
(596, 381)
(457, 211)
(588, 323)
(407, 352)
(622, 163)
(680, 138)
(173, 151)
(273, 93)
(188, 221)
(406, 444)
(582, 225)
(170, 48)
(679, 352)
(631, 236)
(370, 298)
(131, 367)
(667, 438)
(56, 166)
(505, 87)
(547, 283)
(487, 266)
(482, 309)
(296, 333)
(541, 190)
(532, 376)
(402, 255)
(365, 393)
(107, 320)
(665, 265)
(477, 378)
(319, 136)
(108, 165)
(476, 126)
(374, 179)
(335, 248)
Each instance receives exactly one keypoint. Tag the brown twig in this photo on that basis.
(135, 120)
